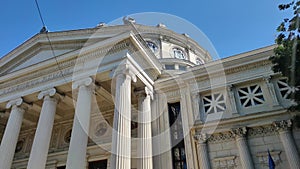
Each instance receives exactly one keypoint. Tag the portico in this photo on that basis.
(79, 92)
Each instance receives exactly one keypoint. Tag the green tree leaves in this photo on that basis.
(287, 53)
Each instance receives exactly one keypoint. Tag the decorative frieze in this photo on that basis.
(221, 137)
(201, 138)
(261, 131)
(225, 136)
(283, 125)
(239, 132)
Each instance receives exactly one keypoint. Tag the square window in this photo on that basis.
(214, 103)
(284, 88)
(251, 96)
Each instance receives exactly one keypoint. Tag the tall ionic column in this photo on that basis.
(284, 128)
(41, 142)
(11, 134)
(79, 138)
(242, 145)
(121, 136)
(204, 162)
(144, 130)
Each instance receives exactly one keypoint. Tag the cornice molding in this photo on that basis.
(66, 69)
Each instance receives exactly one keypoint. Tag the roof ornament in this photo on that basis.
(100, 24)
(128, 20)
(43, 30)
(161, 25)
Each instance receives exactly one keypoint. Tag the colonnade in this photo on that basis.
(76, 158)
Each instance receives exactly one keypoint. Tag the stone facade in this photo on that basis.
(135, 96)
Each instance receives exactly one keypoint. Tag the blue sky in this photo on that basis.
(233, 26)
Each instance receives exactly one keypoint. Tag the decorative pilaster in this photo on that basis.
(196, 108)
(144, 130)
(231, 99)
(284, 128)
(11, 134)
(162, 157)
(121, 136)
(244, 152)
(271, 90)
(79, 137)
(203, 158)
(41, 142)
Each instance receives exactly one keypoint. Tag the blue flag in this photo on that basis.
(271, 162)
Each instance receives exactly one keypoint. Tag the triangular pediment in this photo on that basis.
(38, 58)
(68, 45)
(36, 50)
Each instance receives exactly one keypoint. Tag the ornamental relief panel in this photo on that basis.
(228, 162)
(250, 132)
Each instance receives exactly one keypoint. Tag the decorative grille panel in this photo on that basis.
(251, 96)
(214, 103)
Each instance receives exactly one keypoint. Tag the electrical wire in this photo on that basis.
(49, 41)
(40, 14)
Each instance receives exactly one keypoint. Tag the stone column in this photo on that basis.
(11, 134)
(144, 130)
(121, 136)
(284, 128)
(41, 142)
(242, 145)
(201, 141)
(79, 138)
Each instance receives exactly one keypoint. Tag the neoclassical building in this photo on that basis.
(141, 97)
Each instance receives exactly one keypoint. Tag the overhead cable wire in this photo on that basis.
(48, 38)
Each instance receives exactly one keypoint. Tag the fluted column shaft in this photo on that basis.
(11, 134)
(284, 129)
(144, 131)
(244, 153)
(201, 141)
(242, 145)
(79, 138)
(41, 142)
(121, 139)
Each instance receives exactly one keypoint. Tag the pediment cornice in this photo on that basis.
(48, 74)
(75, 38)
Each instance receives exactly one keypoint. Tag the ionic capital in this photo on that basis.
(85, 81)
(201, 138)
(49, 92)
(17, 102)
(125, 69)
(284, 125)
(144, 93)
(229, 87)
(239, 132)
